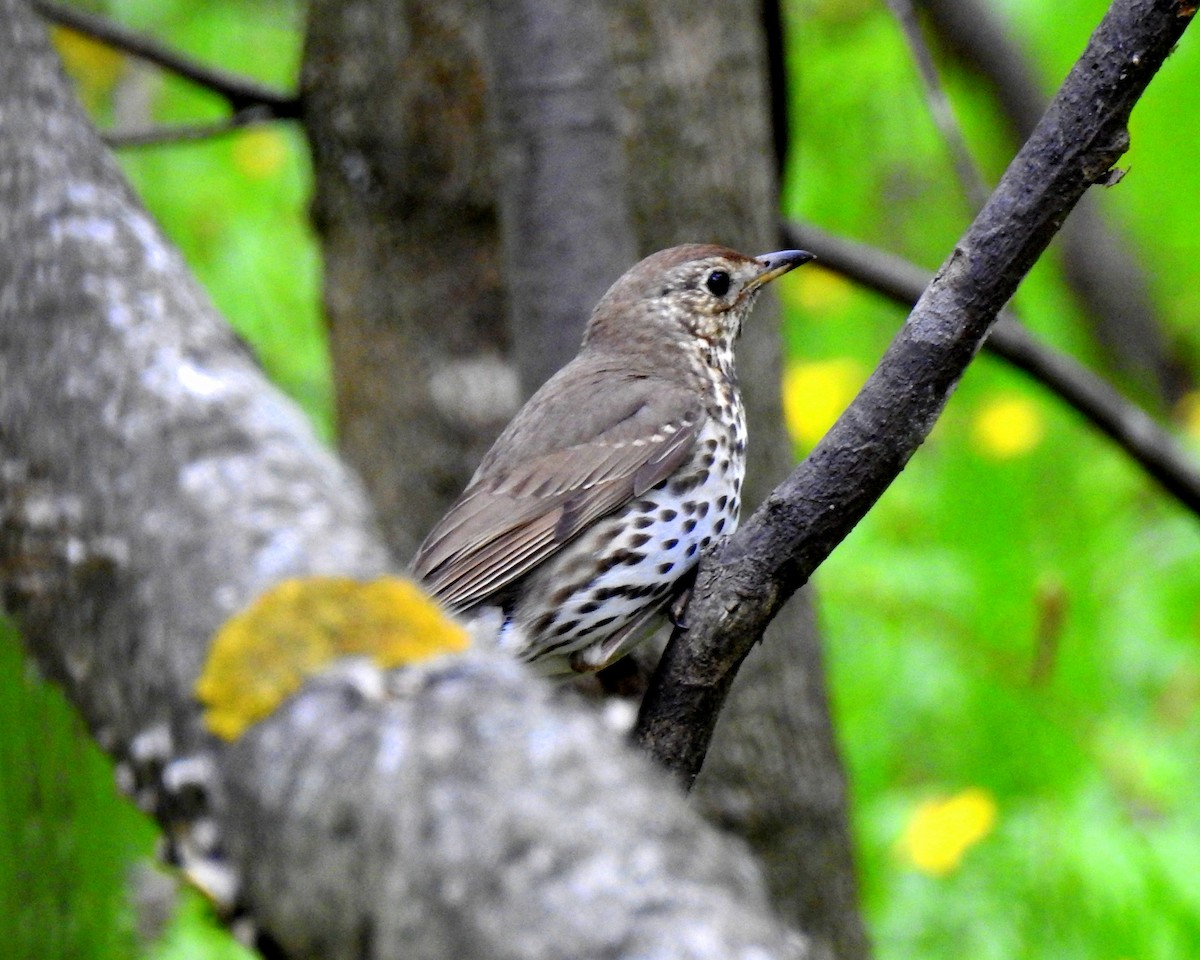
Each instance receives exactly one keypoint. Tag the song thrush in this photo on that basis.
(593, 505)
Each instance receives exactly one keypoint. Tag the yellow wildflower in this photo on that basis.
(815, 394)
(259, 152)
(1008, 426)
(1189, 413)
(940, 831)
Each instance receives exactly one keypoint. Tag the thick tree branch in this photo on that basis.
(152, 483)
(241, 93)
(1128, 425)
(739, 590)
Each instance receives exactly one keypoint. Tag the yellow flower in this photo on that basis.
(940, 831)
(94, 66)
(815, 291)
(815, 394)
(1189, 413)
(1008, 426)
(259, 152)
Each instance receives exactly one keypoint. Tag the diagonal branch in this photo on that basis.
(753, 573)
(241, 93)
(1128, 425)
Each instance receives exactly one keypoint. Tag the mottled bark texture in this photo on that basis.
(560, 172)
(151, 483)
(414, 281)
(1101, 267)
(697, 126)
(1074, 146)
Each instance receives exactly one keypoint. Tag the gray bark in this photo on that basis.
(560, 173)
(414, 282)
(151, 483)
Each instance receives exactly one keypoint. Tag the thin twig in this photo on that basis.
(1145, 440)
(185, 133)
(965, 168)
(239, 92)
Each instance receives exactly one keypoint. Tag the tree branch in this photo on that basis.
(1128, 425)
(241, 93)
(185, 133)
(739, 589)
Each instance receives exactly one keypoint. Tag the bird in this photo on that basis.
(585, 520)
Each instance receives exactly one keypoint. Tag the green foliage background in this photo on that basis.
(1023, 624)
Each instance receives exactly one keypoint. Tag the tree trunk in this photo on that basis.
(414, 280)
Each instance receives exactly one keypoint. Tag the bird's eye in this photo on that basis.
(717, 283)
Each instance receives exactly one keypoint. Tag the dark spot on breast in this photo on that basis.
(702, 509)
(720, 525)
(722, 501)
(670, 544)
(542, 623)
(689, 526)
(691, 551)
(642, 522)
(681, 485)
(564, 628)
(668, 514)
(639, 540)
(724, 468)
(665, 568)
(710, 444)
(590, 607)
(599, 624)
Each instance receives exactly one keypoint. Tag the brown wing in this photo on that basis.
(531, 496)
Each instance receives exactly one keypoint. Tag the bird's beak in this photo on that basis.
(776, 265)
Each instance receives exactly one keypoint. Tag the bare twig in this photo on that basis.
(965, 168)
(1132, 428)
(185, 133)
(239, 92)
(754, 572)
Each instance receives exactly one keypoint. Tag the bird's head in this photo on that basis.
(696, 291)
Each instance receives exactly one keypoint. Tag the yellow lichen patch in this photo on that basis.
(263, 654)
(94, 66)
(940, 831)
(815, 394)
(1008, 426)
(259, 152)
